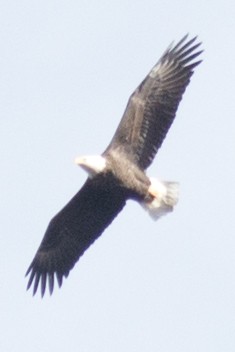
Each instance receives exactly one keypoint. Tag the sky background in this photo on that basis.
(67, 69)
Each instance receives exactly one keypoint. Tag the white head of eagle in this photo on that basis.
(92, 164)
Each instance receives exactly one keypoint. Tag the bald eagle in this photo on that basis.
(119, 173)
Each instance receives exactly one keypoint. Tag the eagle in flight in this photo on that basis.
(119, 173)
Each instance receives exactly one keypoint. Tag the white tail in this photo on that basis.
(166, 195)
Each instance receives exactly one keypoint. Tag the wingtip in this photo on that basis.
(43, 281)
(185, 43)
(59, 279)
(28, 270)
(51, 283)
(182, 50)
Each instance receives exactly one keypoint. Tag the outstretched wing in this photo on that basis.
(73, 230)
(152, 107)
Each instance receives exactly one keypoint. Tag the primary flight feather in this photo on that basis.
(119, 173)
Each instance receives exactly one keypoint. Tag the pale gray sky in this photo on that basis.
(67, 69)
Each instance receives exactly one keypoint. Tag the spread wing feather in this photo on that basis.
(152, 107)
(73, 230)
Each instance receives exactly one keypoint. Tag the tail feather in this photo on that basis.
(166, 195)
